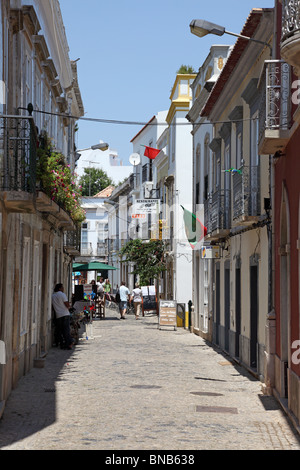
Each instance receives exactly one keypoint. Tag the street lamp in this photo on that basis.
(202, 27)
(102, 146)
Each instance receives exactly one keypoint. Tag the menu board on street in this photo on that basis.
(149, 300)
(167, 313)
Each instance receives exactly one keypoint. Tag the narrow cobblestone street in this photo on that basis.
(135, 387)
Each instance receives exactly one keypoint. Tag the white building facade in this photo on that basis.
(202, 179)
(180, 171)
(38, 238)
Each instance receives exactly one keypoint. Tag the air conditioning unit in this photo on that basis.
(148, 187)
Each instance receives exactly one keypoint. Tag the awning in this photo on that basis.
(93, 266)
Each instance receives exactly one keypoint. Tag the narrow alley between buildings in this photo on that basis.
(132, 386)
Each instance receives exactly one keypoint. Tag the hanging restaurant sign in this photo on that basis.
(142, 207)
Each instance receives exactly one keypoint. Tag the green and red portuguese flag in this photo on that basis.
(194, 229)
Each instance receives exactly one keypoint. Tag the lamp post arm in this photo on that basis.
(250, 39)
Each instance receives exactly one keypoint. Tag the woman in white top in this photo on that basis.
(137, 300)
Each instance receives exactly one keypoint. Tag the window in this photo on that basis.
(84, 236)
(227, 179)
(28, 78)
(239, 150)
(35, 284)
(254, 140)
(206, 169)
(102, 232)
(254, 174)
(54, 118)
(198, 175)
(205, 295)
(25, 285)
(218, 173)
(4, 63)
(38, 99)
(51, 280)
(173, 141)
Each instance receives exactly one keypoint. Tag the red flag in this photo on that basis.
(151, 152)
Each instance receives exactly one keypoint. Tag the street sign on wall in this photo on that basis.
(210, 252)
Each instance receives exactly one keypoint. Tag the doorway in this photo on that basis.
(237, 310)
(284, 293)
(227, 307)
(218, 305)
(253, 315)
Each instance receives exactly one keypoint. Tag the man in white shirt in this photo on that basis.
(61, 307)
(124, 293)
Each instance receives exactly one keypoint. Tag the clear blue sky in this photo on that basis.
(130, 51)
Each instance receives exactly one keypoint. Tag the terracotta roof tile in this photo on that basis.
(105, 192)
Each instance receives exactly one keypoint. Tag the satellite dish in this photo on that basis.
(134, 159)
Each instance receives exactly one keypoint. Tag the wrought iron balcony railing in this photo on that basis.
(147, 172)
(17, 154)
(102, 249)
(275, 108)
(86, 249)
(290, 38)
(290, 18)
(72, 241)
(207, 219)
(220, 210)
(246, 194)
(217, 213)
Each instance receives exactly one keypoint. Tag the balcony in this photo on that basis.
(102, 250)
(217, 215)
(86, 249)
(53, 210)
(147, 172)
(72, 242)
(246, 196)
(275, 110)
(18, 163)
(290, 39)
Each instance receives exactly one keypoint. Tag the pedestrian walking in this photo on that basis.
(107, 289)
(137, 300)
(61, 307)
(117, 296)
(100, 290)
(94, 290)
(124, 295)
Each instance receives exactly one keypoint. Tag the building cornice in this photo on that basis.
(178, 105)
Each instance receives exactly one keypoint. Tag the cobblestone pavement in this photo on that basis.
(135, 387)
